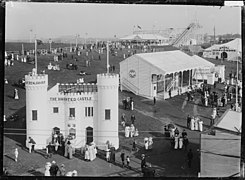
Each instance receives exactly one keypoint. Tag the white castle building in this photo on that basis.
(89, 112)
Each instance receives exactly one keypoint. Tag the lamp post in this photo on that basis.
(50, 42)
(30, 35)
(86, 40)
(77, 35)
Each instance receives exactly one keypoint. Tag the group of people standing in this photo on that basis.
(194, 123)
(52, 169)
(128, 103)
(130, 129)
(179, 141)
(90, 151)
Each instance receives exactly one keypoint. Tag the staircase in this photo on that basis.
(183, 36)
(129, 86)
(170, 85)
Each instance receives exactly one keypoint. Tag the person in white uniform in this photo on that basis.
(180, 142)
(196, 124)
(192, 124)
(146, 143)
(127, 128)
(176, 141)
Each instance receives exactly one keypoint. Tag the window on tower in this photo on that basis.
(89, 111)
(34, 115)
(107, 114)
(55, 110)
(72, 113)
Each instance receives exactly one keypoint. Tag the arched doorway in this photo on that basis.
(89, 134)
(224, 55)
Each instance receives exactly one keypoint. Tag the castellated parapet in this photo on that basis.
(107, 79)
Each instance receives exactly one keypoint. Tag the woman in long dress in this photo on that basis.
(180, 142)
(200, 126)
(86, 156)
(127, 131)
(107, 155)
(196, 124)
(146, 143)
(47, 167)
(176, 141)
(192, 123)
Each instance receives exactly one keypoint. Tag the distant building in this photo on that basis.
(220, 148)
(230, 51)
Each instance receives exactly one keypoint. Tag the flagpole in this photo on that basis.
(36, 55)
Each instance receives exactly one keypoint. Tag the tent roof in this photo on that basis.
(234, 44)
(173, 61)
(143, 37)
(202, 61)
(231, 120)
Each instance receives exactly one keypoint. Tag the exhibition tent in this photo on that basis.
(173, 61)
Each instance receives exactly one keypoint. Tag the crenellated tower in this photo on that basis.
(36, 108)
(106, 126)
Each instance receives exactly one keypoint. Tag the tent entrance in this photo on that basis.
(224, 55)
(160, 86)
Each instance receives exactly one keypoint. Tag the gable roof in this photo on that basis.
(143, 37)
(231, 121)
(234, 44)
(173, 61)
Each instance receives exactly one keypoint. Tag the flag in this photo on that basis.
(39, 42)
(138, 26)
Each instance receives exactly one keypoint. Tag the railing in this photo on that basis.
(184, 34)
(130, 86)
(171, 84)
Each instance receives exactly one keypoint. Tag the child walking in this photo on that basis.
(128, 161)
(16, 153)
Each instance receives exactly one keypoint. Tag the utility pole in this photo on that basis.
(214, 35)
(50, 42)
(30, 35)
(242, 161)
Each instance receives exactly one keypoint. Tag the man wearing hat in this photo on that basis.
(53, 169)
(143, 162)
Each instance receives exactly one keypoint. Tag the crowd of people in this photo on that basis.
(128, 103)
(52, 169)
(130, 129)
(177, 140)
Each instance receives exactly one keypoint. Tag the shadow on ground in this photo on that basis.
(18, 133)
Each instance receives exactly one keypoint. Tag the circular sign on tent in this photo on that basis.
(132, 73)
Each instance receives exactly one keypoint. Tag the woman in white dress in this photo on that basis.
(180, 142)
(47, 167)
(127, 131)
(146, 143)
(86, 156)
(196, 124)
(132, 130)
(176, 141)
(107, 155)
(192, 124)
(200, 126)
(150, 142)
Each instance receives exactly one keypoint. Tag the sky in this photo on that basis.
(50, 20)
